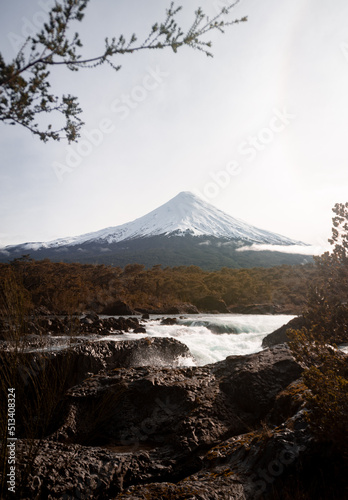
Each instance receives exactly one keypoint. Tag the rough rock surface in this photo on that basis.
(280, 336)
(90, 324)
(90, 357)
(193, 433)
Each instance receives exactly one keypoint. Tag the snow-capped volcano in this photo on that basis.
(184, 231)
(185, 214)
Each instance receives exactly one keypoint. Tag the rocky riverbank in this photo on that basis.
(121, 318)
(89, 324)
(127, 427)
(127, 419)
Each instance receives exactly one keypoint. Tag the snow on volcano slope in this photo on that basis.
(184, 214)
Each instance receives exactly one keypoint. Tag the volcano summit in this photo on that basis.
(184, 231)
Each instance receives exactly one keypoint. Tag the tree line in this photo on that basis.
(65, 288)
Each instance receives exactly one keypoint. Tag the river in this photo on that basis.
(212, 337)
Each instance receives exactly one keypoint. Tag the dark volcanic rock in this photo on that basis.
(185, 407)
(240, 468)
(139, 329)
(147, 352)
(261, 464)
(70, 365)
(169, 321)
(117, 308)
(253, 382)
(80, 360)
(231, 430)
(211, 304)
(90, 319)
(279, 336)
(90, 324)
(53, 325)
(153, 432)
(93, 324)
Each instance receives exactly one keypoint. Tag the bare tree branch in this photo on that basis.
(25, 82)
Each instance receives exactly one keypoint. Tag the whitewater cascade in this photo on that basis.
(211, 338)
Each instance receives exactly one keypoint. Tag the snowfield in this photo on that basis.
(184, 214)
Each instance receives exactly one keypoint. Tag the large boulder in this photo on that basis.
(78, 361)
(211, 304)
(155, 432)
(94, 324)
(183, 407)
(117, 308)
(254, 381)
(169, 321)
(231, 430)
(280, 336)
(55, 371)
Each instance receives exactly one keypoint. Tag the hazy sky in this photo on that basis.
(260, 130)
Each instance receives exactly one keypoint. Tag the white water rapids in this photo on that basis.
(212, 337)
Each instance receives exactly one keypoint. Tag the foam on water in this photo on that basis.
(237, 334)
